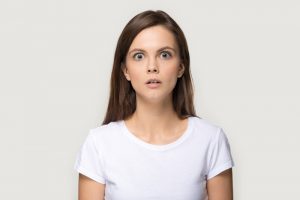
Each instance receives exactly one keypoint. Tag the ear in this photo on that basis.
(125, 71)
(181, 70)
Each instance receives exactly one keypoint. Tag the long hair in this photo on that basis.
(122, 99)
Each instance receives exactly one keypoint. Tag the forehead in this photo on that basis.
(153, 38)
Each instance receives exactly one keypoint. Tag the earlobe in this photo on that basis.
(181, 70)
(124, 69)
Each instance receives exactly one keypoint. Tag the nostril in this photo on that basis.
(154, 70)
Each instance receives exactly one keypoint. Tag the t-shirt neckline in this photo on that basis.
(157, 147)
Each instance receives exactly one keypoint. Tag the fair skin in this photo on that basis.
(154, 53)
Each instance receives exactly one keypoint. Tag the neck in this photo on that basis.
(154, 120)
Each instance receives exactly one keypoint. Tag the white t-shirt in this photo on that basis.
(133, 169)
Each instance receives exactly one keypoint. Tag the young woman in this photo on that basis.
(151, 144)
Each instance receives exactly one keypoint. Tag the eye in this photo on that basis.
(165, 54)
(138, 56)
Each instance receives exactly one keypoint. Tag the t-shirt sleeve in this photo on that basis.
(219, 155)
(88, 161)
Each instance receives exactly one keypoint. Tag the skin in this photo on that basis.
(220, 187)
(148, 58)
(89, 189)
(154, 53)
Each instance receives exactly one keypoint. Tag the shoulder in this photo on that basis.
(206, 128)
(105, 132)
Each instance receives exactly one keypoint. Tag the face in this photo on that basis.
(153, 54)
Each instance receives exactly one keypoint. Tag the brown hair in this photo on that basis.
(122, 100)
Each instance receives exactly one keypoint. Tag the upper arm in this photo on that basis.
(89, 189)
(220, 187)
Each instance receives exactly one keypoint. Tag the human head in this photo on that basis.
(122, 100)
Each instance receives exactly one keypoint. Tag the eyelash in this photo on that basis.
(134, 56)
(167, 52)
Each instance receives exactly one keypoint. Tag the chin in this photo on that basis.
(155, 99)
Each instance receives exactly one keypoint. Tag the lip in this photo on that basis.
(152, 79)
(153, 85)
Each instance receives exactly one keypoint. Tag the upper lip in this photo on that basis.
(153, 79)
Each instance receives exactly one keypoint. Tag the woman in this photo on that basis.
(151, 144)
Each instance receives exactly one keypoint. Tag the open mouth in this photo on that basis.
(153, 81)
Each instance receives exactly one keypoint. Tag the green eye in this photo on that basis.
(138, 56)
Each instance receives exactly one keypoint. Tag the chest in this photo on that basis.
(139, 174)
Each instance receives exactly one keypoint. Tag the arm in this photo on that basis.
(89, 189)
(220, 187)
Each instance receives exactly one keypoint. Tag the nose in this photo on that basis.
(152, 66)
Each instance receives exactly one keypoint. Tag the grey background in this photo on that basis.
(56, 59)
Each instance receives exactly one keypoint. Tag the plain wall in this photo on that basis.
(56, 59)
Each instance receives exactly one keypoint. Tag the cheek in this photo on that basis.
(170, 72)
(170, 77)
(136, 83)
(136, 78)
(134, 70)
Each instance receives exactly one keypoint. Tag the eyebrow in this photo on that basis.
(163, 48)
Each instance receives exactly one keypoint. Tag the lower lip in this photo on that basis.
(153, 85)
